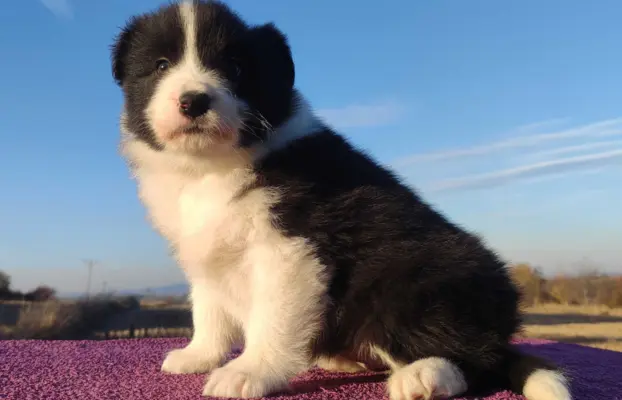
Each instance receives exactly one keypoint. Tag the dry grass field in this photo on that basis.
(593, 326)
(590, 326)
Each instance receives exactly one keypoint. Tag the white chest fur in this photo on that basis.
(210, 232)
(201, 218)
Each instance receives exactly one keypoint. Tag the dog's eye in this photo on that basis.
(162, 65)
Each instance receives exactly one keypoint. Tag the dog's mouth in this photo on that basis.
(191, 129)
(211, 129)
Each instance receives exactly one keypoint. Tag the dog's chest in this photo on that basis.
(198, 216)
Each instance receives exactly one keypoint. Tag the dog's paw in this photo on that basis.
(189, 361)
(240, 380)
(429, 378)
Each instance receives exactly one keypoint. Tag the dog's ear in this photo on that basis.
(266, 80)
(272, 57)
(120, 49)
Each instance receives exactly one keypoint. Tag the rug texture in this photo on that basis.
(130, 370)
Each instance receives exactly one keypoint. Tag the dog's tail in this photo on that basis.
(534, 377)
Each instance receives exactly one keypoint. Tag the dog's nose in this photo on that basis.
(194, 104)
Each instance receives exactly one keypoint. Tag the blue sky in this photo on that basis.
(505, 115)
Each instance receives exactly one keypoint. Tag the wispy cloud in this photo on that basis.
(565, 174)
(536, 126)
(362, 115)
(606, 144)
(525, 157)
(557, 166)
(607, 128)
(60, 8)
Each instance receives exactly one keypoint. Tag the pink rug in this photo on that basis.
(129, 370)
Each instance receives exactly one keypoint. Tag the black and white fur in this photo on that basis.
(294, 242)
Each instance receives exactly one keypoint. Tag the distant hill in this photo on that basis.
(179, 289)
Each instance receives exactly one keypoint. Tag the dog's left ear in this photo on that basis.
(120, 49)
(272, 57)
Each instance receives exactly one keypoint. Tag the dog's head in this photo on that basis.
(197, 79)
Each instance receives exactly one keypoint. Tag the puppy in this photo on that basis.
(293, 241)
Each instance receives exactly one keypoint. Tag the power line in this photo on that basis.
(89, 265)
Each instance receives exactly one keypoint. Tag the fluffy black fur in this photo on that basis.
(404, 277)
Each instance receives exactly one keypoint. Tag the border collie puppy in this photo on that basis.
(294, 242)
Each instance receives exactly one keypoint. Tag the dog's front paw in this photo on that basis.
(189, 361)
(240, 380)
(428, 378)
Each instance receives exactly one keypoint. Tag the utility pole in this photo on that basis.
(89, 265)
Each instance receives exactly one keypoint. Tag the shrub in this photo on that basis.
(54, 320)
(42, 293)
(5, 282)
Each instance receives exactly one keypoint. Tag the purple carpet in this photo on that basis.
(129, 370)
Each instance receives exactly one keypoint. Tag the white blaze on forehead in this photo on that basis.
(189, 75)
(191, 63)
(188, 18)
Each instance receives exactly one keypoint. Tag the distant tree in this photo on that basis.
(609, 292)
(586, 287)
(5, 282)
(42, 293)
(531, 282)
(590, 281)
(565, 290)
(616, 298)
